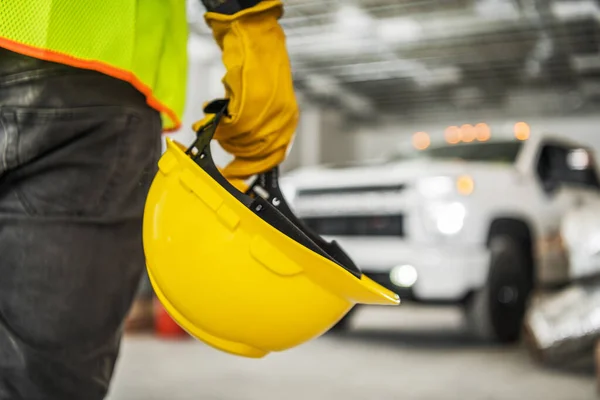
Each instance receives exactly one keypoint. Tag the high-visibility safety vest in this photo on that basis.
(143, 42)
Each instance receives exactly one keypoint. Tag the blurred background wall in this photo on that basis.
(371, 73)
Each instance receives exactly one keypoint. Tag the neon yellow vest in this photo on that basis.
(143, 42)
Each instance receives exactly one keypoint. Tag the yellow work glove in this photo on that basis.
(263, 112)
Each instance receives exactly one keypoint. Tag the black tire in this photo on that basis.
(496, 312)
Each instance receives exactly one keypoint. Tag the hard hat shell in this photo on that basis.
(234, 271)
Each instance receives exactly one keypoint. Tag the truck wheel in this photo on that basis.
(496, 312)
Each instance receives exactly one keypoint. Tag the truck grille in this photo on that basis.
(352, 190)
(371, 225)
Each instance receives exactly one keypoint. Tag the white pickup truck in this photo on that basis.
(472, 224)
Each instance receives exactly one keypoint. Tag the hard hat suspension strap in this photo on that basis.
(264, 197)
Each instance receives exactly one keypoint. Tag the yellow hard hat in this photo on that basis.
(239, 271)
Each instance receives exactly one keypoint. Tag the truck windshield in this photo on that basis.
(493, 152)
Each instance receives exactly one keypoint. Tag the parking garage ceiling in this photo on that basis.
(428, 56)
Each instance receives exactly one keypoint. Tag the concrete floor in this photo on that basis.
(407, 353)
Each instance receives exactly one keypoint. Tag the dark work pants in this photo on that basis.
(78, 151)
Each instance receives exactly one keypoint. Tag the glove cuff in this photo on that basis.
(228, 7)
(260, 6)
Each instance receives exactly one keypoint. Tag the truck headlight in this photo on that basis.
(446, 218)
(403, 275)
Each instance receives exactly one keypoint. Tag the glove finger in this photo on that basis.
(241, 168)
(271, 133)
(199, 124)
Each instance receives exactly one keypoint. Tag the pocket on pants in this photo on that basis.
(78, 161)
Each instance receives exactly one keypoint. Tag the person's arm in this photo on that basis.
(263, 113)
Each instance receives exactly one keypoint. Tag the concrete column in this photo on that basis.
(337, 143)
(306, 146)
(322, 137)
(309, 142)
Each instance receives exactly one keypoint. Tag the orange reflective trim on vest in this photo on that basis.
(99, 66)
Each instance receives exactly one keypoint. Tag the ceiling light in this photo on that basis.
(496, 9)
(572, 9)
(352, 21)
(399, 30)
(322, 84)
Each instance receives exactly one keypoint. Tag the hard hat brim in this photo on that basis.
(355, 287)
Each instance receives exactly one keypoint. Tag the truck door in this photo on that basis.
(568, 175)
(569, 179)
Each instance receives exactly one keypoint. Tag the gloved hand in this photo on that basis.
(263, 112)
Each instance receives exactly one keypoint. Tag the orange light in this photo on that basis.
(468, 133)
(452, 134)
(421, 140)
(522, 130)
(465, 185)
(483, 132)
